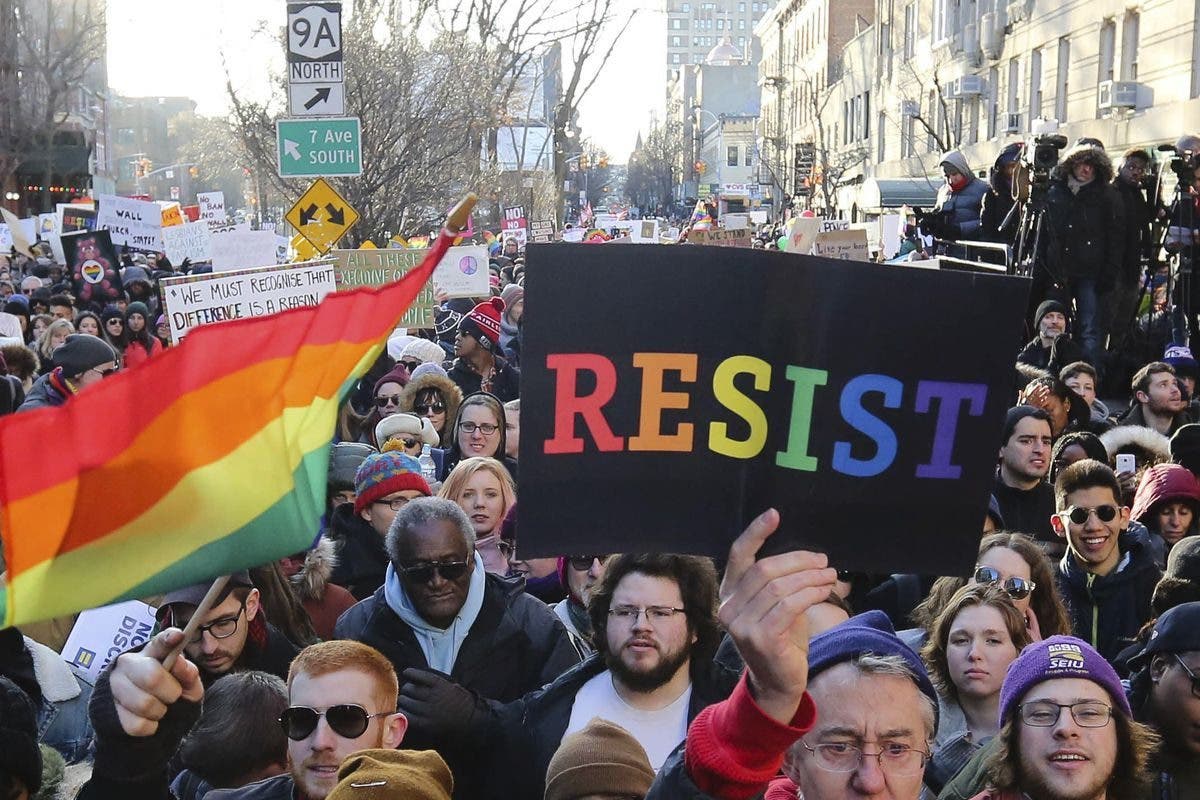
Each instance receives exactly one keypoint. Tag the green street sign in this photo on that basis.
(312, 148)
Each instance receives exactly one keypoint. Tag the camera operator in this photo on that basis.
(997, 221)
(1139, 213)
(1086, 239)
(1183, 235)
(958, 201)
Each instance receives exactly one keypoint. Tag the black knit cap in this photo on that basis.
(19, 753)
(1046, 307)
(81, 352)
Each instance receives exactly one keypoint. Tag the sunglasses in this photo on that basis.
(423, 573)
(348, 721)
(410, 365)
(1079, 515)
(115, 322)
(1016, 588)
(583, 563)
(431, 408)
(387, 400)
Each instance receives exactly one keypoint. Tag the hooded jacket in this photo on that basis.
(998, 201)
(1087, 229)
(323, 601)
(45, 392)
(1161, 483)
(362, 558)
(506, 380)
(962, 207)
(1108, 610)
(450, 393)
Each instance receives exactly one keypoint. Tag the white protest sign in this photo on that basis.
(6, 240)
(521, 235)
(758, 217)
(644, 231)
(189, 240)
(891, 228)
(102, 634)
(463, 272)
(573, 235)
(135, 223)
(804, 233)
(605, 221)
(238, 249)
(194, 300)
(735, 222)
(834, 225)
(21, 232)
(48, 233)
(847, 244)
(212, 207)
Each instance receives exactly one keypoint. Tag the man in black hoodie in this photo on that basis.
(1026, 500)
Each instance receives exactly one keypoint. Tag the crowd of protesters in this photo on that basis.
(413, 653)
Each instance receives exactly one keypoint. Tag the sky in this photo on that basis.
(158, 48)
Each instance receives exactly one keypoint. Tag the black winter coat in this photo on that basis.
(506, 382)
(1086, 236)
(1107, 611)
(1138, 214)
(516, 645)
(535, 724)
(362, 558)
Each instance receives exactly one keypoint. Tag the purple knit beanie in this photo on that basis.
(1058, 657)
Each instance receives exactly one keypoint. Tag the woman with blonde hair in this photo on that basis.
(484, 490)
(52, 338)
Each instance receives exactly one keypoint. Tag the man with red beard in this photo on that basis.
(655, 631)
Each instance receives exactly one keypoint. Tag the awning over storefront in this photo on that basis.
(883, 193)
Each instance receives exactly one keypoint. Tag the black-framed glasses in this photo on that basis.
(486, 428)
(395, 504)
(410, 365)
(346, 720)
(429, 408)
(630, 614)
(423, 573)
(383, 401)
(1079, 515)
(507, 549)
(584, 563)
(1014, 587)
(1045, 714)
(1191, 675)
(894, 758)
(222, 628)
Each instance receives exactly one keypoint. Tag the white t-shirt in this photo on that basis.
(659, 732)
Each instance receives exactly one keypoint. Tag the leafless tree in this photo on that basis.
(830, 163)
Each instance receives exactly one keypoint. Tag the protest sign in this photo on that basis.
(462, 272)
(192, 300)
(191, 213)
(542, 230)
(644, 231)
(239, 248)
(172, 214)
(735, 222)
(749, 391)
(134, 223)
(605, 221)
(92, 261)
(719, 237)
(102, 634)
(758, 217)
(573, 234)
(848, 244)
(189, 240)
(73, 218)
(891, 232)
(804, 233)
(212, 207)
(834, 225)
(48, 233)
(18, 234)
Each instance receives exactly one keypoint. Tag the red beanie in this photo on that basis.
(483, 322)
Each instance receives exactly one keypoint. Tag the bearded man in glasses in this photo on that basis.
(458, 636)
(1107, 576)
(341, 700)
(234, 635)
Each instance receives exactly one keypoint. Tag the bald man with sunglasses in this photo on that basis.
(341, 700)
(1107, 576)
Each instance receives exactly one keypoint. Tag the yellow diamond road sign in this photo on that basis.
(322, 215)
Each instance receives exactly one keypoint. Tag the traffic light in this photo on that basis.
(700, 167)
(583, 162)
(142, 167)
(194, 172)
(603, 162)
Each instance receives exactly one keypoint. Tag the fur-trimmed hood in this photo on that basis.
(1086, 153)
(1123, 437)
(312, 578)
(449, 391)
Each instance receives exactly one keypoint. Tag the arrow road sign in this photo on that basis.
(315, 147)
(317, 99)
(321, 215)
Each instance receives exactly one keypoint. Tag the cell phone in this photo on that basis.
(1126, 462)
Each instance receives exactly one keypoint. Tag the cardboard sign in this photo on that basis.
(135, 223)
(212, 207)
(189, 240)
(76, 218)
(848, 244)
(644, 231)
(102, 634)
(879, 457)
(92, 261)
(720, 237)
(192, 300)
(48, 233)
(804, 233)
(542, 231)
(241, 248)
(834, 225)
(172, 215)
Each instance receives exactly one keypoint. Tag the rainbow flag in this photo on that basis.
(493, 243)
(700, 213)
(216, 462)
(417, 242)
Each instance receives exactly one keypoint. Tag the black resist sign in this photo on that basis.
(672, 393)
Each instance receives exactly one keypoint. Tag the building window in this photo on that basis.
(1129, 45)
(732, 159)
(866, 115)
(741, 24)
(881, 140)
(1196, 50)
(1014, 82)
(741, 8)
(674, 58)
(993, 101)
(685, 7)
(741, 41)
(675, 24)
(1061, 79)
(749, 156)
(910, 31)
(1108, 46)
(676, 41)
(720, 24)
(1035, 84)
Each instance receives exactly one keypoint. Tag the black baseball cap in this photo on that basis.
(1176, 631)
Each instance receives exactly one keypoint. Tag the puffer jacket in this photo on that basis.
(1108, 610)
(450, 393)
(1087, 228)
(962, 207)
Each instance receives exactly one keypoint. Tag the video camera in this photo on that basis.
(1184, 163)
(1040, 157)
(937, 224)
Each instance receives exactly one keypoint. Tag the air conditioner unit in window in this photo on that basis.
(1118, 94)
(1012, 122)
(910, 108)
(950, 89)
(970, 86)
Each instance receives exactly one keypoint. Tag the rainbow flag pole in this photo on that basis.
(223, 469)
